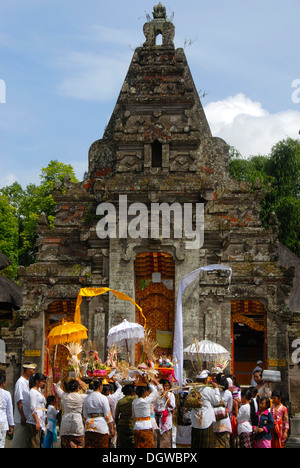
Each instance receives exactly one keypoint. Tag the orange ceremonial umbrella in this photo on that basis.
(67, 332)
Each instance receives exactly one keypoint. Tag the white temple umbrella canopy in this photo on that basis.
(206, 350)
(126, 333)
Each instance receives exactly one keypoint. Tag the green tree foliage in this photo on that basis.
(280, 173)
(9, 235)
(248, 169)
(29, 203)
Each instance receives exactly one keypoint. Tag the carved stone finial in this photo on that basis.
(159, 11)
(159, 25)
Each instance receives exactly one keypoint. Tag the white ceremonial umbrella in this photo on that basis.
(126, 333)
(206, 350)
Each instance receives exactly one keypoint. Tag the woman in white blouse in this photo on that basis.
(141, 413)
(99, 423)
(222, 428)
(36, 417)
(202, 419)
(72, 428)
(6, 411)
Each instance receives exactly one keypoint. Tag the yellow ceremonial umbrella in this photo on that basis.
(67, 332)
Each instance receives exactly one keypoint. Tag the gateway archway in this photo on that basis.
(154, 292)
(249, 338)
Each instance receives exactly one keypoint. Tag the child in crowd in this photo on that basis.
(265, 425)
(52, 412)
(281, 420)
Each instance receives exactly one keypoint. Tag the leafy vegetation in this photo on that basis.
(25, 207)
(279, 173)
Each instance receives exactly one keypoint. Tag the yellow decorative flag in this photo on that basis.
(91, 292)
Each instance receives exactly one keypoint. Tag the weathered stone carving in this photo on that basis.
(159, 25)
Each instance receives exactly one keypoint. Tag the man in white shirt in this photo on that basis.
(263, 387)
(21, 393)
(202, 419)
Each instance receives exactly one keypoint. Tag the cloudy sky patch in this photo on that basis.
(248, 127)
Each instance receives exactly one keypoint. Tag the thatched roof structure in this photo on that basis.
(10, 292)
(4, 261)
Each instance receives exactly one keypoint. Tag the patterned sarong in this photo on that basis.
(144, 439)
(246, 440)
(222, 439)
(69, 441)
(203, 438)
(96, 440)
(164, 440)
(34, 438)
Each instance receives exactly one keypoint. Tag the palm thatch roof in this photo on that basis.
(4, 261)
(10, 292)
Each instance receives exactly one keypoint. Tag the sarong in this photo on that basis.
(203, 438)
(96, 440)
(2, 435)
(222, 439)
(164, 440)
(183, 436)
(70, 441)
(35, 439)
(246, 440)
(144, 439)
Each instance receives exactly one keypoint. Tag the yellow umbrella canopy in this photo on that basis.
(67, 332)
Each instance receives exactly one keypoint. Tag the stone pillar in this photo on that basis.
(294, 438)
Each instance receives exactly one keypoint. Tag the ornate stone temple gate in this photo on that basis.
(158, 148)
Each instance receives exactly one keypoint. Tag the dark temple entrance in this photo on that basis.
(248, 338)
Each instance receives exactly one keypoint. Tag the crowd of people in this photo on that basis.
(211, 412)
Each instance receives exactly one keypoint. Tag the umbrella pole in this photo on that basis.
(55, 352)
(54, 359)
(128, 355)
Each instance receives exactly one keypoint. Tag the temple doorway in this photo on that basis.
(154, 292)
(249, 333)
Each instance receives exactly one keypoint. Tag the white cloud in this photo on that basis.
(248, 127)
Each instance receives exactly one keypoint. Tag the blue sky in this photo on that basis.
(63, 64)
